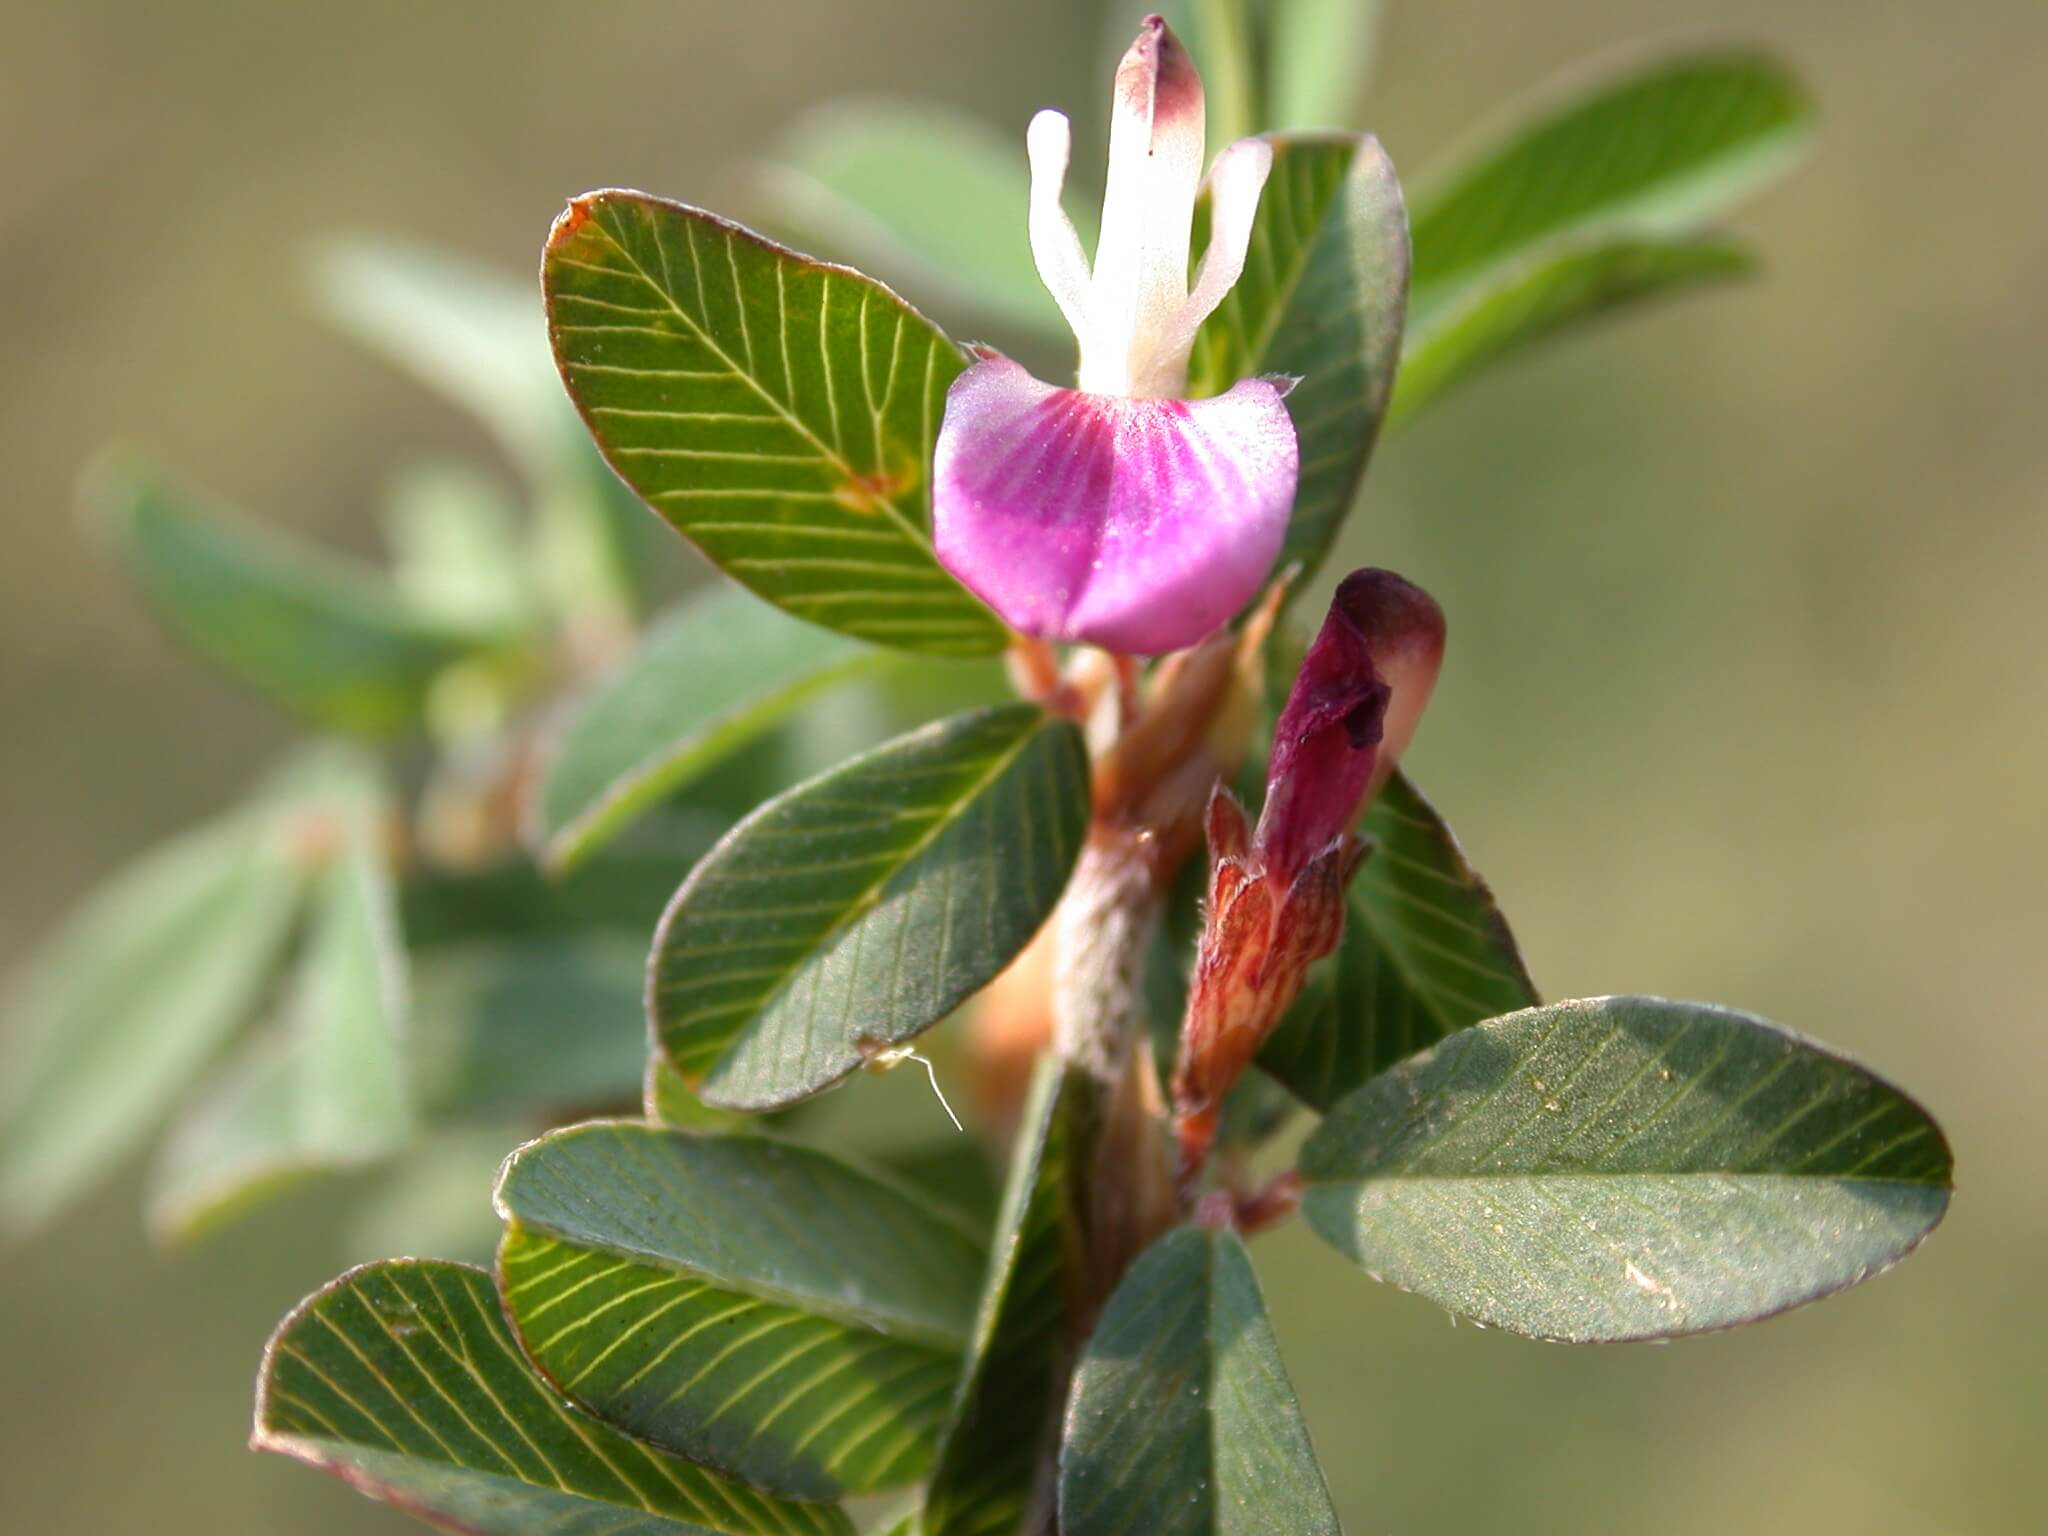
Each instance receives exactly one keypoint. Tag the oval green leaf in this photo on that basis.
(861, 907)
(332, 642)
(752, 1305)
(402, 1379)
(778, 412)
(1551, 290)
(1655, 152)
(1182, 1421)
(131, 997)
(1323, 296)
(707, 679)
(1004, 1413)
(1625, 1168)
(1425, 953)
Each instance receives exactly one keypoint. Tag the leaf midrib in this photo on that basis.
(831, 456)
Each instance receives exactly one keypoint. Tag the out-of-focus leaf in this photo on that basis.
(713, 675)
(1323, 295)
(1006, 1409)
(617, 892)
(479, 337)
(332, 642)
(858, 909)
(779, 412)
(331, 1089)
(530, 1024)
(137, 989)
(1319, 59)
(433, 1200)
(1553, 289)
(1182, 1421)
(1655, 152)
(401, 1379)
(455, 548)
(753, 1305)
(923, 193)
(1625, 1168)
(1425, 952)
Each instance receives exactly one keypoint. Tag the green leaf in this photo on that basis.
(1322, 297)
(861, 907)
(455, 548)
(1319, 58)
(1005, 1410)
(921, 192)
(1625, 1168)
(1425, 952)
(132, 996)
(1652, 153)
(753, 1305)
(401, 1379)
(332, 642)
(1553, 289)
(1182, 1420)
(331, 1089)
(347, 1006)
(711, 676)
(548, 1023)
(780, 413)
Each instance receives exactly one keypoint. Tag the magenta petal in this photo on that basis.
(1137, 525)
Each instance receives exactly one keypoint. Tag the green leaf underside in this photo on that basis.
(985, 1478)
(859, 908)
(333, 643)
(1322, 298)
(1652, 153)
(1625, 1168)
(1544, 294)
(752, 1305)
(1425, 953)
(707, 679)
(1182, 1419)
(527, 1023)
(779, 412)
(402, 1378)
(134, 994)
(923, 190)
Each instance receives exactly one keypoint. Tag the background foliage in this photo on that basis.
(1743, 703)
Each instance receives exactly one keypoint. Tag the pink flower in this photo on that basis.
(1119, 513)
(1276, 894)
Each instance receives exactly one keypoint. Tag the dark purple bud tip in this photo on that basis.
(1353, 707)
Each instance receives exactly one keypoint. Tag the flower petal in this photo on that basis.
(1349, 716)
(1055, 247)
(1148, 206)
(1137, 525)
(1236, 181)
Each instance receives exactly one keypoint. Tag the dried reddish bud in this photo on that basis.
(1276, 895)
(1354, 706)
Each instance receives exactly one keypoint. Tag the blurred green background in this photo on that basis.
(1743, 702)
